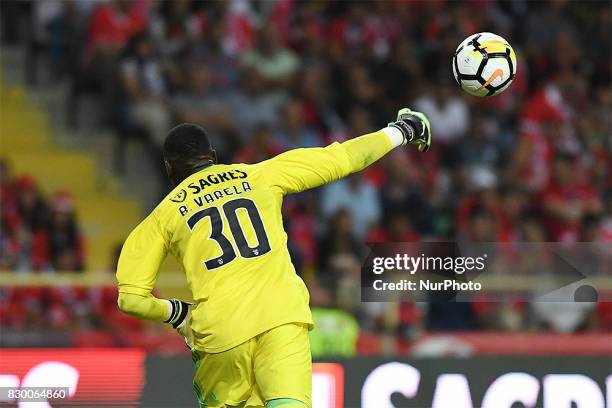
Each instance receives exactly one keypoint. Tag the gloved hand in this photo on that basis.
(415, 128)
(179, 312)
(184, 329)
(180, 319)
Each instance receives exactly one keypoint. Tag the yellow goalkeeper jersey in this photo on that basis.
(224, 226)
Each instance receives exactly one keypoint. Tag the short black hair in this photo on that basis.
(187, 142)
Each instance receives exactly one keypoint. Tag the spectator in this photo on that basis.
(482, 226)
(8, 189)
(37, 235)
(545, 127)
(200, 104)
(400, 194)
(57, 28)
(30, 241)
(349, 33)
(313, 92)
(7, 252)
(566, 200)
(338, 240)
(211, 51)
(482, 195)
(448, 111)
(514, 203)
(531, 229)
(262, 147)
(561, 317)
(397, 227)
(256, 104)
(65, 241)
(175, 28)
(110, 27)
(144, 87)
(294, 134)
(112, 24)
(360, 89)
(357, 196)
(276, 64)
(484, 147)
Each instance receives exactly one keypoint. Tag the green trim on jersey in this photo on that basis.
(200, 395)
(195, 356)
(278, 402)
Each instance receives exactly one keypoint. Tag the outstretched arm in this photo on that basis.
(301, 169)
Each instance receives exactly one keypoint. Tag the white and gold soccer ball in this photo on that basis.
(484, 64)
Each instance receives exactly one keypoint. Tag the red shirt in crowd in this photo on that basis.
(110, 26)
(574, 194)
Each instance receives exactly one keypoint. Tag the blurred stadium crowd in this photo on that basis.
(532, 164)
(38, 233)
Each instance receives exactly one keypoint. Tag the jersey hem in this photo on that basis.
(221, 349)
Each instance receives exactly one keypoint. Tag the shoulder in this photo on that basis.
(243, 170)
(168, 207)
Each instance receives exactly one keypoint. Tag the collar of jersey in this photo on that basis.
(205, 167)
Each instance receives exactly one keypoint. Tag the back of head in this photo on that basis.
(187, 149)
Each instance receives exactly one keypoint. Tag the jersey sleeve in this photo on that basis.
(302, 169)
(141, 257)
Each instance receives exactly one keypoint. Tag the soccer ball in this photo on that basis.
(484, 64)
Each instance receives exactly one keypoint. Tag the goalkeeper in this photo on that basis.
(248, 326)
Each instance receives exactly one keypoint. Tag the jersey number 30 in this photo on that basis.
(228, 254)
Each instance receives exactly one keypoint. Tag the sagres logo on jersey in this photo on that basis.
(179, 197)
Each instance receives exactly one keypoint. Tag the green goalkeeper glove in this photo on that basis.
(415, 128)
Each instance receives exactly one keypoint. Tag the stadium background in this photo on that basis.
(89, 88)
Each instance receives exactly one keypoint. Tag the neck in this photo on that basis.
(180, 173)
(202, 166)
